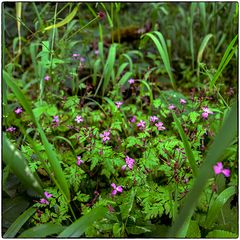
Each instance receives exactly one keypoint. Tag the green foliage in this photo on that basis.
(113, 171)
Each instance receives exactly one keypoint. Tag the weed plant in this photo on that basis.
(119, 119)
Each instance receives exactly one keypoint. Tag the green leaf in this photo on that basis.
(160, 43)
(221, 234)
(64, 21)
(124, 78)
(117, 230)
(225, 59)
(218, 204)
(193, 230)
(59, 177)
(13, 158)
(193, 116)
(42, 230)
(77, 228)
(186, 144)
(222, 140)
(18, 223)
(109, 65)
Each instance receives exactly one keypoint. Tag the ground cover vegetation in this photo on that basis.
(119, 119)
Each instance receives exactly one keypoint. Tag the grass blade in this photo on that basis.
(51, 153)
(108, 69)
(13, 158)
(201, 50)
(186, 144)
(218, 205)
(82, 224)
(42, 230)
(18, 16)
(124, 78)
(162, 49)
(225, 60)
(64, 21)
(19, 222)
(222, 140)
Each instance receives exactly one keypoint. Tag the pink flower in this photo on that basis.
(18, 110)
(78, 119)
(205, 113)
(76, 56)
(171, 107)
(141, 125)
(131, 81)
(43, 201)
(160, 126)
(79, 160)
(129, 161)
(47, 78)
(218, 169)
(56, 119)
(47, 195)
(116, 189)
(10, 129)
(123, 168)
(153, 119)
(118, 104)
(133, 119)
(96, 52)
(105, 136)
(182, 101)
(82, 59)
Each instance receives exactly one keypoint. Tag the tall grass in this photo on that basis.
(222, 140)
(160, 43)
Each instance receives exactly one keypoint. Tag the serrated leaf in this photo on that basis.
(221, 234)
(193, 116)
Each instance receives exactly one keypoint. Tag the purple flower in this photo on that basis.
(205, 113)
(56, 119)
(76, 56)
(218, 169)
(96, 52)
(79, 160)
(171, 107)
(123, 168)
(47, 195)
(153, 119)
(78, 119)
(182, 101)
(129, 161)
(141, 125)
(105, 136)
(10, 129)
(118, 104)
(131, 81)
(133, 119)
(116, 189)
(82, 59)
(160, 126)
(18, 110)
(47, 78)
(43, 201)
